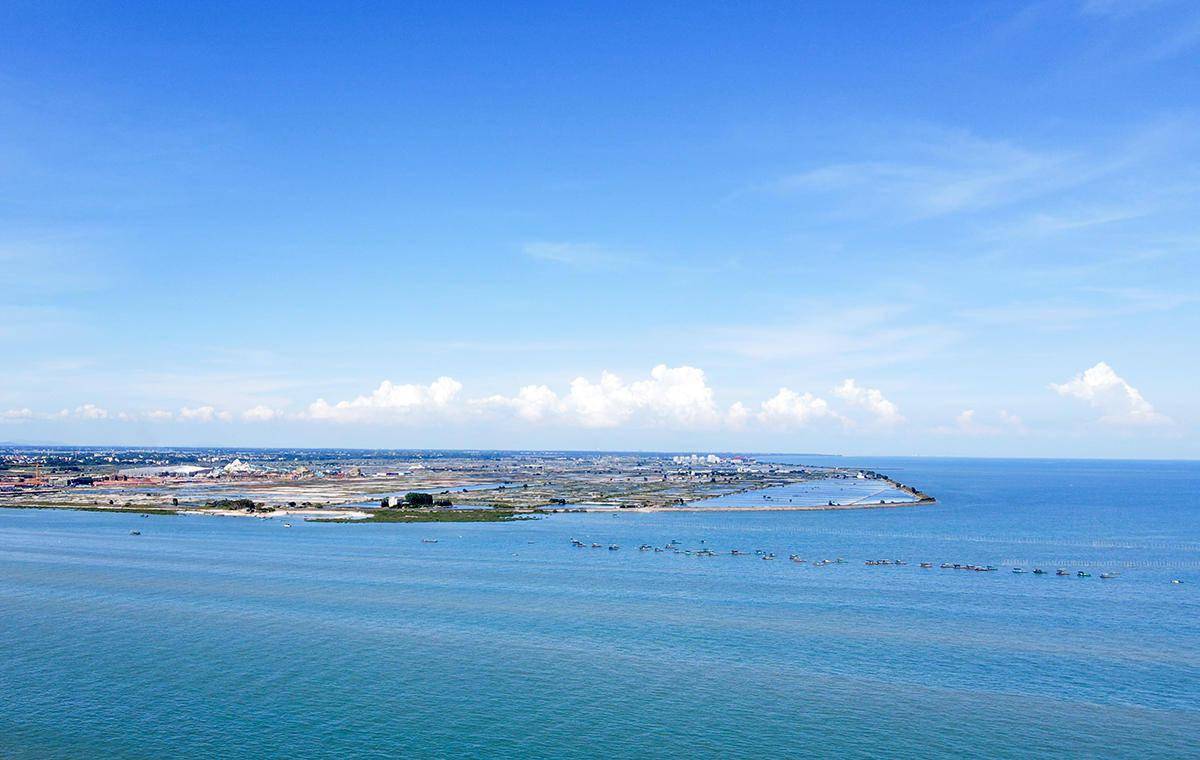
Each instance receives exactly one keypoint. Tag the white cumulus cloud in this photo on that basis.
(871, 399)
(203, 414)
(17, 414)
(1107, 391)
(260, 413)
(966, 421)
(738, 415)
(788, 408)
(1012, 421)
(533, 403)
(91, 412)
(389, 402)
(678, 396)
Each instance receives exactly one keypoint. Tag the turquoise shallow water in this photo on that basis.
(238, 638)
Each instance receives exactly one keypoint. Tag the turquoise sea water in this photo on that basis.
(212, 637)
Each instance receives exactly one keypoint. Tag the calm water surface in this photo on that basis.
(239, 638)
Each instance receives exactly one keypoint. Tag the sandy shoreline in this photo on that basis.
(772, 508)
(336, 514)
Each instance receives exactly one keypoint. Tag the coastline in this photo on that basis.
(267, 485)
(771, 508)
(362, 515)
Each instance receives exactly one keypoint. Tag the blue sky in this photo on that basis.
(937, 228)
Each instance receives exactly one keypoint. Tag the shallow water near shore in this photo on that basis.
(236, 637)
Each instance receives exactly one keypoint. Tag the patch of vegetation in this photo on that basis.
(248, 505)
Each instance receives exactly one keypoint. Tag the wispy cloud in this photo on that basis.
(50, 264)
(967, 422)
(927, 173)
(1086, 305)
(841, 338)
(579, 255)
(1174, 25)
(1117, 9)
(939, 173)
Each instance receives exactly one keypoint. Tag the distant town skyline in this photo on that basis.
(952, 229)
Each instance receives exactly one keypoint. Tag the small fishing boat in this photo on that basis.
(1108, 576)
(768, 556)
(135, 533)
(1176, 581)
(1038, 571)
(926, 565)
(1082, 574)
(1018, 569)
(595, 546)
(613, 547)
(429, 540)
(1061, 572)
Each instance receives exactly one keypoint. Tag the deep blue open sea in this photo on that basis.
(211, 637)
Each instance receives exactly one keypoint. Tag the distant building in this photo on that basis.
(696, 459)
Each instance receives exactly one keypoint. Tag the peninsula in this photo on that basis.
(427, 486)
